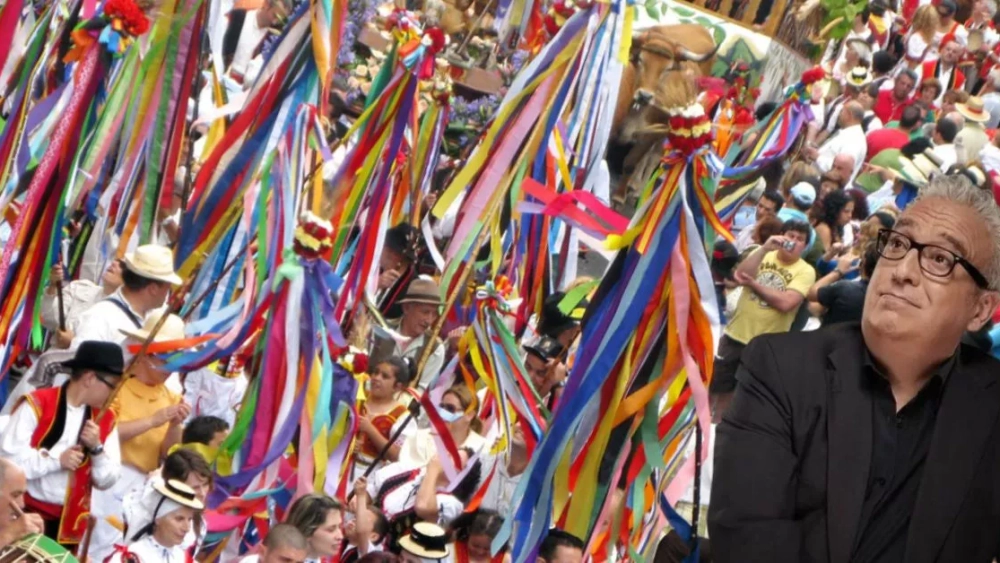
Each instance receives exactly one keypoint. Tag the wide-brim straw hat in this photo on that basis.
(973, 110)
(154, 262)
(172, 329)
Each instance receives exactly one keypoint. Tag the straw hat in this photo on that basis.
(156, 502)
(426, 540)
(859, 77)
(172, 329)
(154, 262)
(908, 172)
(861, 47)
(423, 290)
(973, 110)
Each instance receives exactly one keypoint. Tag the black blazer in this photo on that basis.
(794, 450)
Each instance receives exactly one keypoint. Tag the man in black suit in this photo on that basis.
(877, 442)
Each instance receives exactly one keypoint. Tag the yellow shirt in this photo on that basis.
(136, 401)
(753, 316)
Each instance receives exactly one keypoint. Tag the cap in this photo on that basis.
(803, 193)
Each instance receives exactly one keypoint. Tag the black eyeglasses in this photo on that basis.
(933, 259)
(100, 378)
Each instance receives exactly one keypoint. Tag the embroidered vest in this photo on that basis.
(49, 406)
(366, 450)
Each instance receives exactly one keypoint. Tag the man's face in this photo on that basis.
(418, 317)
(765, 209)
(902, 87)
(796, 251)
(905, 303)
(950, 52)
(565, 554)
(283, 555)
(538, 372)
(844, 165)
(12, 490)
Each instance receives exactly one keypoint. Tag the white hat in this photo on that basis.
(426, 540)
(159, 501)
(172, 329)
(154, 262)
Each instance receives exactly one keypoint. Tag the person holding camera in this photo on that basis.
(775, 282)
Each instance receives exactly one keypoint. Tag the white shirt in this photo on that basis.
(78, 296)
(419, 448)
(210, 394)
(973, 138)
(148, 550)
(47, 480)
(849, 140)
(947, 155)
(404, 497)
(499, 495)
(104, 321)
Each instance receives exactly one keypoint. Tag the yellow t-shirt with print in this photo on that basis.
(753, 316)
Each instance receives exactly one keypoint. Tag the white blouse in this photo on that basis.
(148, 550)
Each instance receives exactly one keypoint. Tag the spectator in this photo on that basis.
(319, 519)
(775, 281)
(836, 299)
(799, 171)
(991, 98)
(890, 103)
(832, 181)
(768, 206)
(835, 212)
(800, 200)
(944, 142)
(284, 544)
(13, 486)
(849, 141)
(544, 366)
(869, 95)
(883, 64)
(952, 98)
(894, 137)
(972, 137)
(560, 547)
(929, 91)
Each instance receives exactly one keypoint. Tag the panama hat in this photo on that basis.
(422, 290)
(180, 493)
(426, 540)
(172, 329)
(973, 110)
(154, 262)
(908, 172)
(861, 47)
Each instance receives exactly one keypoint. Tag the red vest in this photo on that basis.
(930, 70)
(50, 408)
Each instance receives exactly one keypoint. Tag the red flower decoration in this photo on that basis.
(360, 363)
(437, 40)
(133, 19)
(813, 75)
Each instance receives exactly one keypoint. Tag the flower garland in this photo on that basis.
(690, 128)
(313, 237)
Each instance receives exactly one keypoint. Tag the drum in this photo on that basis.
(36, 547)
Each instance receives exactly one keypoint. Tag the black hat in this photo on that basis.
(401, 238)
(724, 259)
(97, 355)
(553, 321)
(546, 348)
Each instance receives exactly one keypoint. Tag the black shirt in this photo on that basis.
(844, 301)
(900, 442)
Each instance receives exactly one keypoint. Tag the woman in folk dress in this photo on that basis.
(161, 523)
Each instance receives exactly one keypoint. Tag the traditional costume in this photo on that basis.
(43, 426)
(365, 452)
(157, 503)
(393, 490)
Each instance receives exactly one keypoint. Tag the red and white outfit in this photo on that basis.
(951, 79)
(148, 550)
(42, 427)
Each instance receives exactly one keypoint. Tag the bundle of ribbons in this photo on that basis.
(637, 387)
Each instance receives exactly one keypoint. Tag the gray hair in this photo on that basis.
(960, 190)
(909, 73)
(991, 7)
